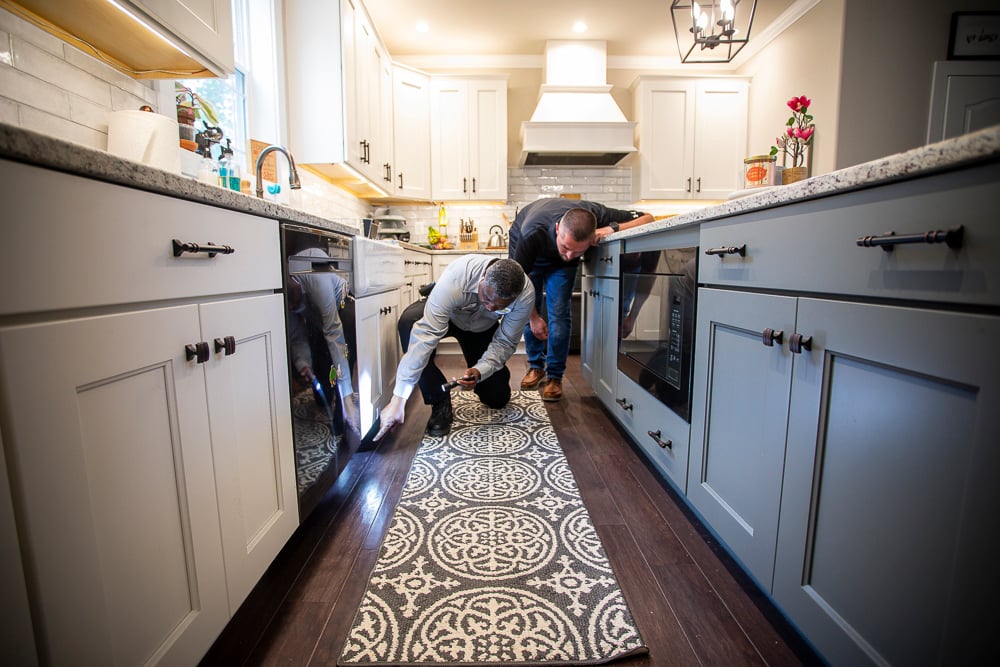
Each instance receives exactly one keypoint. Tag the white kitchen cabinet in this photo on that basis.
(850, 464)
(468, 138)
(205, 27)
(411, 133)
(200, 33)
(151, 486)
(691, 136)
(376, 318)
(416, 272)
(339, 78)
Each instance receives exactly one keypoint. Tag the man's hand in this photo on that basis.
(392, 415)
(539, 327)
(600, 233)
(469, 380)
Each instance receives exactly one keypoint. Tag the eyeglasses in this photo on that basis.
(503, 311)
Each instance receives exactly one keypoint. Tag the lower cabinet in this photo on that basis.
(853, 477)
(660, 432)
(598, 349)
(376, 318)
(885, 550)
(738, 421)
(114, 436)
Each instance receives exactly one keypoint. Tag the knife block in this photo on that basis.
(468, 241)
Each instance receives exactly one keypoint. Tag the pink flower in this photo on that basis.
(799, 104)
(790, 131)
(807, 132)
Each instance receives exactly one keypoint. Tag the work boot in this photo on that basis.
(552, 390)
(532, 379)
(441, 417)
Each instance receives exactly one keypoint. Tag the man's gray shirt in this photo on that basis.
(455, 299)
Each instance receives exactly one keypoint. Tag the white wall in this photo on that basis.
(804, 60)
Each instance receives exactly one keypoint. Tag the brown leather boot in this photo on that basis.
(531, 380)
(552, 390)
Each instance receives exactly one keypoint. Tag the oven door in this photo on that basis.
(656, 324)
(318, 263)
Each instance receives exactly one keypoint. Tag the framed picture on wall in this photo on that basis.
(974, 36)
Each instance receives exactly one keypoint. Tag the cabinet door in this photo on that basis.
(739, 410)
(112, 469)
(382, 142)
(589, 331)
(599, 345)
(887, 551)
(207, 27)
(720, 137)
(251, 436)
(412, 133)
(378, 353)
(488, 140)
(449, 139)
(666, 140)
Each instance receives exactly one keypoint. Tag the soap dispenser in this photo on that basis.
(229, 171)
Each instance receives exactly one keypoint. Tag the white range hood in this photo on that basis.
(576, 121)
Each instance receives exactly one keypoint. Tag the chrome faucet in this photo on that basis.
(293, 176)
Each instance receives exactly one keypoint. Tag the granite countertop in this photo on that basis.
(453, 251)
(41, 150)
(964, 150)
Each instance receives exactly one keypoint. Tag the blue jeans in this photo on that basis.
(557, 284)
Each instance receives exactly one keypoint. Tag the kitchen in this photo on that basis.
(31, 105)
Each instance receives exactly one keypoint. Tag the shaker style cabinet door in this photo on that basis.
(376, 317)
(599, 345)
(112, 467)
(887, 549)
(739, 411)
(251, 435)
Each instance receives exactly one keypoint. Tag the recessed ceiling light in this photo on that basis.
(579, 26)
(423, 26)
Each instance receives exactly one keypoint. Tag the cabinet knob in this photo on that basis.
(197, 351)
(770, 337)
(624, 403)
(655, 435)
(227, 345)
(797, 342)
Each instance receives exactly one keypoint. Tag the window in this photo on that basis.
(246, 102)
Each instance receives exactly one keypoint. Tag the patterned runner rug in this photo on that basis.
(491, 556)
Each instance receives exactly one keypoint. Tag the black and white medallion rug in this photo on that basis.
(491, 556)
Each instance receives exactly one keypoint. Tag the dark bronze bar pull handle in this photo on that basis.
(728, 250)
(797, 342)
(689, 185)
(624, 403)
(951, 238)
(227, 345)
(655, 435)
(771, 337)
(400, 180)
(465, 185)
(699, 185)
(473, 185)
(197, 351)
(180, 248)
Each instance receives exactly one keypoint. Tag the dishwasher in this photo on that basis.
(317, 282)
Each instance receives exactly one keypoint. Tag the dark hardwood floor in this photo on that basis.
(692, 603)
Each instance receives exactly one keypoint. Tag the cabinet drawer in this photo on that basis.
(811, 247)
(653, 426)
(73, 242)
(602, 260)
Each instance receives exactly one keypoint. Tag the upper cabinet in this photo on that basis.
(339, 94)
(468, 138)
(411, 133)
(692, 136)
(204, 30)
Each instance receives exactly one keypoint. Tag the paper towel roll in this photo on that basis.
(142, 136)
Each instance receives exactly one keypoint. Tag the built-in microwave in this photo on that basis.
(656, 323)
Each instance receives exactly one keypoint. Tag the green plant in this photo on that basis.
(187, 98)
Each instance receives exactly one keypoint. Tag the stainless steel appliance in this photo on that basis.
(314, 258)
(656, 323)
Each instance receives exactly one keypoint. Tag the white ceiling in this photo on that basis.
(639, 28)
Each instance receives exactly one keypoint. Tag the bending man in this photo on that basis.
(482, 301)
(547, 238)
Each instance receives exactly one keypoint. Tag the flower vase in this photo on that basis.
(794, 174)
